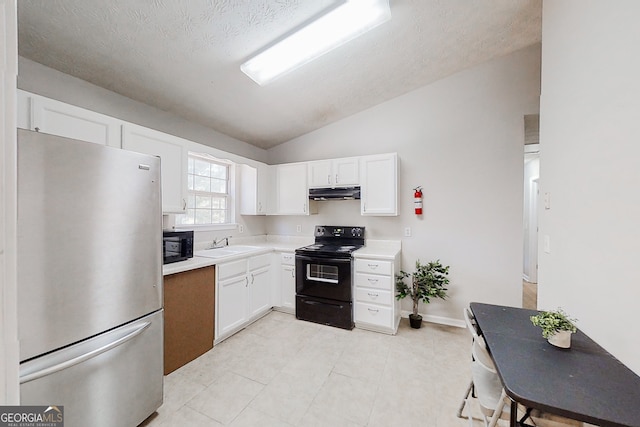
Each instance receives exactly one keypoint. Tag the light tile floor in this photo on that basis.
(280, 371)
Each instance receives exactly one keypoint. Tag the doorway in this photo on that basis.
(530, 230)
(531, 195)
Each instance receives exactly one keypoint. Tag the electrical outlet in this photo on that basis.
(240, 228)
(298, 228)
(407, 232)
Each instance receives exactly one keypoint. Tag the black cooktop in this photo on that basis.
(334, 240)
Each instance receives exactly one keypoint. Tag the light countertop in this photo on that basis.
(374, 249)
(190, 264)
(379, 249)
(265, 244)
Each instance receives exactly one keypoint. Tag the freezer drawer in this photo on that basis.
(113, 379)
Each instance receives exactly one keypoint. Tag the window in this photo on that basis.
(208, 185)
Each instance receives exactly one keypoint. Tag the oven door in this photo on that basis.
(323, 277)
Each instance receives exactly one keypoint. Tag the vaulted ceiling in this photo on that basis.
(184, 56)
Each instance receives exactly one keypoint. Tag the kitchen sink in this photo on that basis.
(226, 251)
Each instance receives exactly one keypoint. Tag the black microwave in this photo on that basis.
(177, 246)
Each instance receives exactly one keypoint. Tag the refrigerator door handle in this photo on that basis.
(83, 357)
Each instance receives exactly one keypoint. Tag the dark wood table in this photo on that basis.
(584, 383)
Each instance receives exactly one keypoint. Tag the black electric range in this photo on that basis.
(323, 276)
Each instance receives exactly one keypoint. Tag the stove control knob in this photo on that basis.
(356, 232)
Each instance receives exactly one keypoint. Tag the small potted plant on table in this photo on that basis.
(426, 282)
(556, 326)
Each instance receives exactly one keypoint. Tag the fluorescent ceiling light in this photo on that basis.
(344, 23)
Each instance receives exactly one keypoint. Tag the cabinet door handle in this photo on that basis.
(184, 204)
(253, 278)
(328, 179)
(372, 295)
(372, 280)
(373, 266)
(246, 284)
(293, 274)
(336, 178)
(371, 310)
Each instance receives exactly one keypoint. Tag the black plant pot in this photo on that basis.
(415, 320)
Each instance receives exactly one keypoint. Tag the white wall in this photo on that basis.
(37, 78)
(462, 139)
(589, 164)
(9, 358)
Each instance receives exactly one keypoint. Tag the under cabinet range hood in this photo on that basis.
(343, 193)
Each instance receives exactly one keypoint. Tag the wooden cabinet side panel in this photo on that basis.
(188, 316)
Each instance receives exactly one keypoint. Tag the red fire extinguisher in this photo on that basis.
(417, 200)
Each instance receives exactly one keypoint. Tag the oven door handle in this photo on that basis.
(323, 259)
(308, 302)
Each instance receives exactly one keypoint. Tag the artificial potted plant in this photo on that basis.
(426, 282)
(556, 326)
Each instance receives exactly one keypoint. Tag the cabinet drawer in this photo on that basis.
(259, 261)
(373, 314)
(374, 281)
(287, 259)
(231, 269)
(373, 266)
(375, 296)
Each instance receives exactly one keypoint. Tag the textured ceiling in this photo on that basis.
(184, 56)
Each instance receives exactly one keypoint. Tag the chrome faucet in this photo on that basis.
(217, 242)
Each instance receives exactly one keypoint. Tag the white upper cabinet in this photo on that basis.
(379, 185)
(320, 174)
(292, 192)
(334, 173)
(173, 162)
(253, 189)
(346, 172)
(57, 118)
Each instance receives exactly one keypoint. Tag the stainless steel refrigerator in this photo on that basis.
(90, 316)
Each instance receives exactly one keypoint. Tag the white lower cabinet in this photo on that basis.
(284, 283)
(287, 282)
(375, 306)
(243, 293)
(259, 285)
(231, 299)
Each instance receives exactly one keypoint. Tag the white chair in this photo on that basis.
(488, 387)
(472, 327)
(484, 379)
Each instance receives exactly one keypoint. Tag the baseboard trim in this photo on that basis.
(440, 320)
